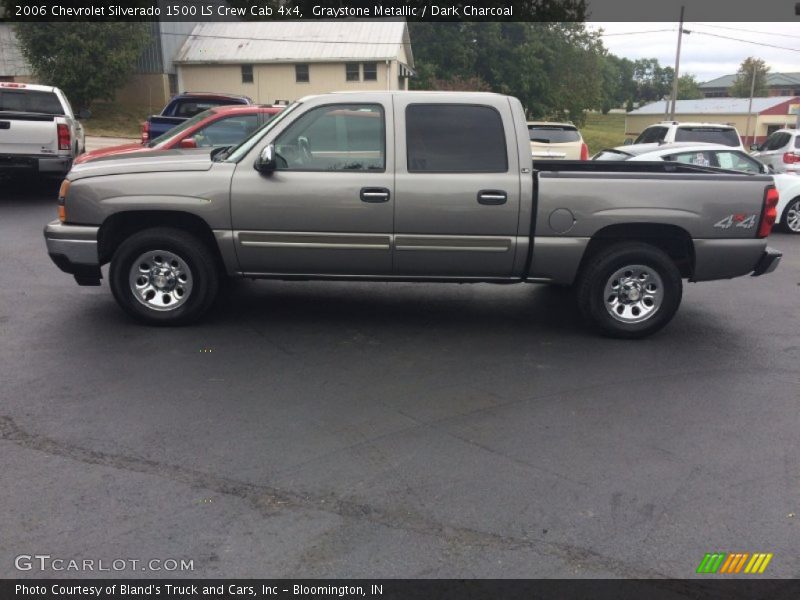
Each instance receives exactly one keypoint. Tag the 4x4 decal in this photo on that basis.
(737, 220)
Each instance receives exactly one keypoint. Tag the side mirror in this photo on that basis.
(84, 113)
(753, 146)
(627, 142)
(266, 163)
(187, 143)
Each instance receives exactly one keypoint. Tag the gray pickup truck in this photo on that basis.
(411, 186)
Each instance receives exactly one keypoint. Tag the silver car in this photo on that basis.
(692, 153)
(781, 151)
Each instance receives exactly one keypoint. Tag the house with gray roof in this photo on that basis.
(778, 84)
(282, 61)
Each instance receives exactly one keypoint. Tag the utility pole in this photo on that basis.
(677, 68)
(750, 105)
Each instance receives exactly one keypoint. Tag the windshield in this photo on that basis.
(714, 135)
(236, 153)
(553, 134)
(188, 124)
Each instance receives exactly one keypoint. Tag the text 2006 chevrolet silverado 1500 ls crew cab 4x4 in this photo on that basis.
(421, 186)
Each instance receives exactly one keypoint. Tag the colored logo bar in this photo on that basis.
(734, 562)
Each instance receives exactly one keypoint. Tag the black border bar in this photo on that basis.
(411, 10)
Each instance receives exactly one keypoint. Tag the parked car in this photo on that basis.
(667, 132)
(556, 141)
(701, 155)
(218, 126)
(388, 186)
(185, 106)
(39, 132)
(788, 208)
(781, 151)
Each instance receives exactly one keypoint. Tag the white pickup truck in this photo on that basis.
(39, 133)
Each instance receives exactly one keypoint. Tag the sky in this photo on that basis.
(703, 55)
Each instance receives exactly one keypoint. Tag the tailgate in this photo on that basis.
(27, 134)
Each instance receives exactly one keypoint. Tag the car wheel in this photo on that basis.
(164, 276)
(629, 290)
(791, 216)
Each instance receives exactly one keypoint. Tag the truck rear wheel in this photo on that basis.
(164, 276)
(629, 290)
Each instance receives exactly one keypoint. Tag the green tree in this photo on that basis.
(688, 88)
(88, 61)
(744, 78)
(554, 68)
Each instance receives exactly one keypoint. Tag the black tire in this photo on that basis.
(596, 306)
(792, 205)
(203, 275)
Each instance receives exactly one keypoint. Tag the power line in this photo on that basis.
(773, 33)
(636, 32)
(725, 37)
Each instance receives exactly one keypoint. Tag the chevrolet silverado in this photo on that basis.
(413, 186)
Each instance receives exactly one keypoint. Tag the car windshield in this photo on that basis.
(188, 124)
(714, 135)
(553, 134)
(30, 101)
(236, 153)
(611, 154)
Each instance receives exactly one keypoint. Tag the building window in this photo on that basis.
(301, 73)
(351, 71)
(173, 84)
(371, 71)
(247, 73)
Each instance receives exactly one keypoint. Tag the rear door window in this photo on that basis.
(30, 101)
(455, 138)
(713, 135)
(551, 134)
(777, 140)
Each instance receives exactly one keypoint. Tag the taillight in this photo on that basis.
(791, 158)
(64, 142)
(584, 151)
(145, 132)
(769, 213)
(62, 196)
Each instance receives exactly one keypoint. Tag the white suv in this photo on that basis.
(781, 151)
(667, 132)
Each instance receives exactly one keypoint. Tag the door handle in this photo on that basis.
(374, 195)
(492, 197)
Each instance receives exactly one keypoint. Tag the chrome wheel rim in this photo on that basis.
(793, 216)
(160, 280)
(633, 294)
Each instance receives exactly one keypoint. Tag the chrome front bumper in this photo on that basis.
(73, 248)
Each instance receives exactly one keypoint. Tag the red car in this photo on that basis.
(218, 126)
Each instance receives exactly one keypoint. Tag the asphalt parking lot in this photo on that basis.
(394, 430)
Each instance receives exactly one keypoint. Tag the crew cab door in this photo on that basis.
(328, 207)
(457, 187)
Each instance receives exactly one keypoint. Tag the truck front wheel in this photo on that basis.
(164, 276)
(629, 290)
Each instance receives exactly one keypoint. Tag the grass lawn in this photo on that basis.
(112, 120)
(603, 131)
